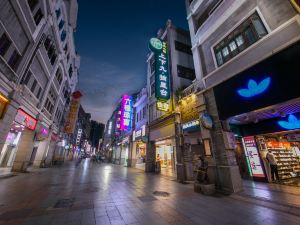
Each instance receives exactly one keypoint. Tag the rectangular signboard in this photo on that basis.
(253, 157)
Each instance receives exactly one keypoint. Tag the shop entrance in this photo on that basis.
(140, 155)
(166, 155)
(10, 147)
(284, 147)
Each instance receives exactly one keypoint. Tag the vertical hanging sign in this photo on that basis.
(126, 113)
(296, 4)
(73, 113)
(162, 77)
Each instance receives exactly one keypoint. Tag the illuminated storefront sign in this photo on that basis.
(255, 88)
(139, 133)
(26, 120)
(43, 133)
(126, 113)
(191, 125)
(73, 113)
(253, 157)
(78, 138)
(163, 106)
(291, 124)
(3, 105)
(296, 4)
(162, 77)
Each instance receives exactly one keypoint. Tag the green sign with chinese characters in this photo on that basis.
(162, 77)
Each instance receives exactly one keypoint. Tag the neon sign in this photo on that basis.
(192, 124)
(162, 77)
(162, 106)
(292, 123)
(26, 120)
(255, 88)
(126, 113)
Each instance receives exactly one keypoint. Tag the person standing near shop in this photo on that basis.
(273, 164)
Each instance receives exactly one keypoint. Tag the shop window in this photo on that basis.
(32, 4)
(183, 47)
(4, 44)
(14, 60)
(38, 17)
(245, 35)
(185, 72)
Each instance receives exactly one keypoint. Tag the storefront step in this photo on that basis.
(279, 206)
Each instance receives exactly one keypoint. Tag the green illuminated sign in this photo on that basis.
(162, 77)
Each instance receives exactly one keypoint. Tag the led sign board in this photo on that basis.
(26, 120)
(162, 77)
(255, 88)
(292, 123)
(126, 113)
(163, 106)
(191, 125)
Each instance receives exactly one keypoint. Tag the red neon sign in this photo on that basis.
(26, 120)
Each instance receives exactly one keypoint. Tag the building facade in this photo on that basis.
(39, 69)
(243, 53)
(170, 70)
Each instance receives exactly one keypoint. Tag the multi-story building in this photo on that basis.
(245, 55)
(170, 70)
(139, 131)
(96, 134)
(38, 71)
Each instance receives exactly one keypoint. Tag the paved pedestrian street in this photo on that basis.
(109, 194)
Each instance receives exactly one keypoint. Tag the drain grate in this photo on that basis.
(64, 203)
(161, 194)
(147, 198)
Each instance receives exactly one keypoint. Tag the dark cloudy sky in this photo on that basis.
(112, 39)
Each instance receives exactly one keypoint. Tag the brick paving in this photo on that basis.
(106, 194)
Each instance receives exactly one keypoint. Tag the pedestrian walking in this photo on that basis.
(273, 164)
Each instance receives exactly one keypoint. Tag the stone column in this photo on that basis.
(227, 175)
(133, 154)
(150, 157)
(180, 169)
(25, 148)
(41, 152)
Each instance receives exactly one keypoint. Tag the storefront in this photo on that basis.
(262, 107)
(139, 148)
(166, 154)
(23, 123)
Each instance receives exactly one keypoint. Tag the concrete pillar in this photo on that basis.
(150, 157)
(24, 151)
(133, 154)
(226, 172)
(180, 169)
(51, 151)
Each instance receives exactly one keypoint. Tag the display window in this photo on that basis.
(275, 157)
(140, 153)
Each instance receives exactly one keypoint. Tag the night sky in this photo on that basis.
(112, 40)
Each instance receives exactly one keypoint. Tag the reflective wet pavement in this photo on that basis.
(109, 194)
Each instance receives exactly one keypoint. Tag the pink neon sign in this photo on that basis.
(126, 113)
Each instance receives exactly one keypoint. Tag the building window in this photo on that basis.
(57, 12)
(183, 47)
(32, 4)
(33, 86)
(38, 17)
(70, 71)
(152, 89)
(58, 76)
(186, 73)
(152, 65)
(249, 32)
(4, 44)
(14, 60)
(61, 24)
(26, 79)
(38, 95)
(207, 13)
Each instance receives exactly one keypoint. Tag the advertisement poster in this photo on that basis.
(253, 157)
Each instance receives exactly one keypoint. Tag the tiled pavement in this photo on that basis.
(106, 194)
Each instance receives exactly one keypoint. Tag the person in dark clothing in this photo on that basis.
(273, 164)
